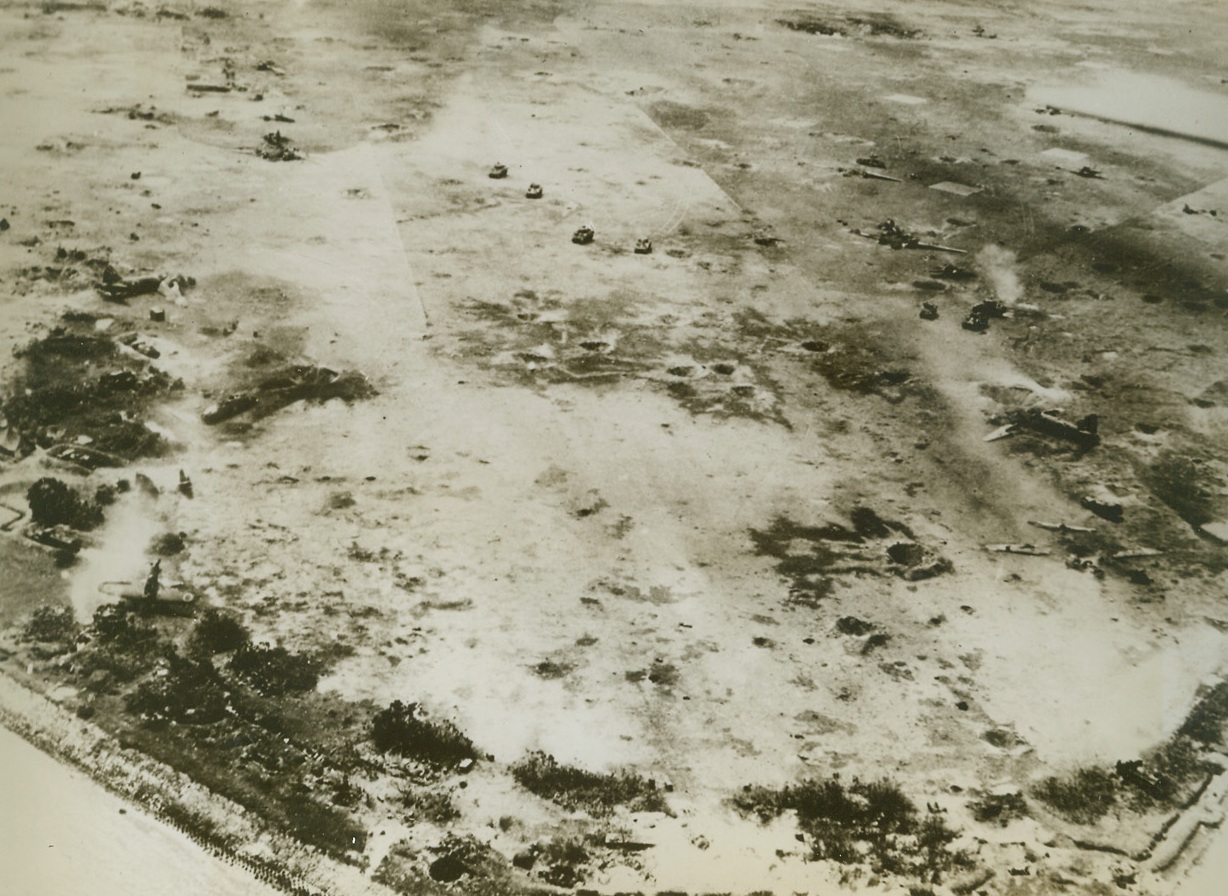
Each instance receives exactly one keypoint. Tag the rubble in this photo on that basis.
(285, 387)
(277, 148)
(1059, 527)
(1028, 550)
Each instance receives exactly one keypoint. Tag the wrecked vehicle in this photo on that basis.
(976, 322)
(83, 456)
(1083, 433)
(643, 246)
(295, 383)
(230, 406)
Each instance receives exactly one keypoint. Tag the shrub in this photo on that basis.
(51, 624)
(401, 729)
(217, 632)
(274, 671)
(1083, 797)
(858, 822)
(429, 805)
(53, 503)
(1000, 808)
(576, 788)
(1205, 723)
(168, 544)
(190, 693)
(120, 626)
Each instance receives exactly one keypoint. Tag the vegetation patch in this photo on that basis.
(1205, 723)
(51, 625)
(183, 691)
(216, 632)
(1182, 484)
(999, 808)
(578, 789)
(403, 730)
(274, 671)
(1083, 797)
(862, 822)
(55, 503)
(429, 805)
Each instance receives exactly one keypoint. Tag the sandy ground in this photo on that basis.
(64, 834)
(513, 498)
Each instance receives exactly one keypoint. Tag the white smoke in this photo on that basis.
(998, 265)
(118, 561)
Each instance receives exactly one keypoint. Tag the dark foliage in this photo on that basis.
(51, 624)
(168, 544)
(274, 671)
(54, 503)
(216, 632)
(999, 808)
(182, 691)
(121, 626)
(402, 730)
(1083, 797)
(859, 822)
(1205, 722)
(574, 788)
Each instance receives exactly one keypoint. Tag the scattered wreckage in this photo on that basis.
(278, 148)
(299, 382)
(1023, 549)
(893, 235)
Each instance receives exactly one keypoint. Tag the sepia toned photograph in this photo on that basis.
(613, 448)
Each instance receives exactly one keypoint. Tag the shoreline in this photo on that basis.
(212, 822)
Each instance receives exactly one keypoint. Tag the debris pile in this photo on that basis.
(298, 382)
(277, 148)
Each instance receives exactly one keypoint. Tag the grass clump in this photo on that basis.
(52, 625)
(999, 808)
(402, 730)
(183, 691)
(216, 632)
(576, 788)
(1083, 797)
(1205, 723)
(871, 822)
(274, 671)
(430, 805)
